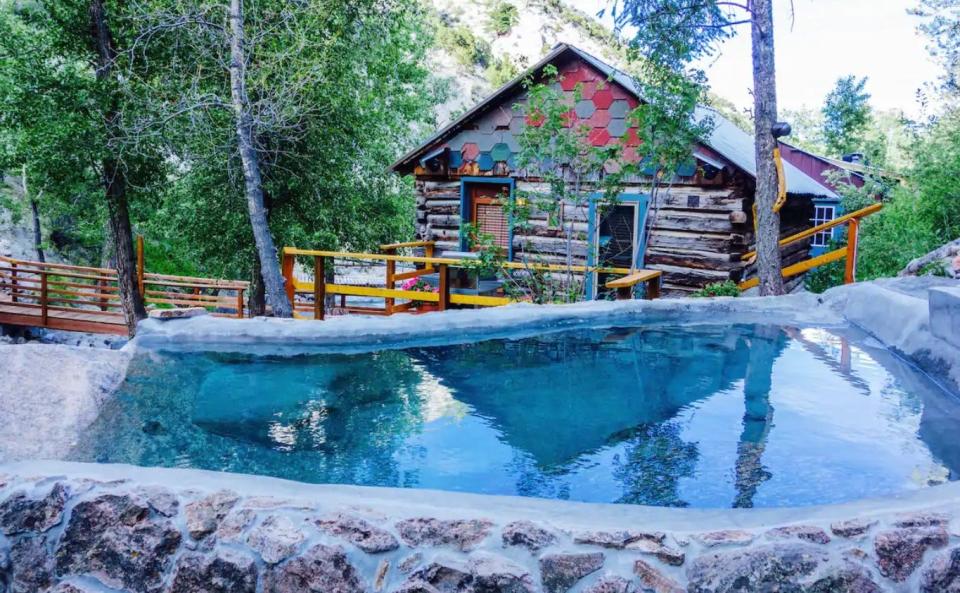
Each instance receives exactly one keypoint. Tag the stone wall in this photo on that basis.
(119, 528)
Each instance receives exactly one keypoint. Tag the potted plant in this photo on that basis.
(420, 285)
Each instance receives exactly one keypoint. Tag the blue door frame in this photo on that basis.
(466, 210)
(642, 201)
(836, 233)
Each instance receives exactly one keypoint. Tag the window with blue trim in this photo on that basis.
(823, 213)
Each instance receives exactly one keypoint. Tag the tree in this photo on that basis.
(846, 116)
(675, 33)
(64, 107)
(941, 20)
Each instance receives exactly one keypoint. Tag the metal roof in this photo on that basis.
(726, 138)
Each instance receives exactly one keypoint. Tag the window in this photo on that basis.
(821, 215)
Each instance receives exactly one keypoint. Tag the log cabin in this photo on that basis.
(696, 233)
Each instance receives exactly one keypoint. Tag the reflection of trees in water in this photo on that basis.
(654, 461)
(352, 434)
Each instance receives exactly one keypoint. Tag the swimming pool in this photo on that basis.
(675, 415)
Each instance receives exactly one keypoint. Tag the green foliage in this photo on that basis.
(938, 22)
(727, 288)
(503, 16)
(501, 71)
(466, 48)
(846, 116)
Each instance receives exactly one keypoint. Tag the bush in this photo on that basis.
(466, 48)
(718, 289)
(503, 16)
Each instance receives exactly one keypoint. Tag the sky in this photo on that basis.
(828, 39)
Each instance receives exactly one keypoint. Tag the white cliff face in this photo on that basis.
(541, 25)
(16, 232)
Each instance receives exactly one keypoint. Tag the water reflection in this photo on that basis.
(705, 416)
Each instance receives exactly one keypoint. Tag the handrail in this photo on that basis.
(849, 252)
(457, 263)
(871, 209)
(390, 246)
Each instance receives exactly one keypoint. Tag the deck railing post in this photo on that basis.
(286, 268)
(43, 298)
(850, 273)
(102, 289)
(140, 265)
(444, 288)
(653, 287)
(13, 281)
(319, 287)
(239, 303)
(391, 272)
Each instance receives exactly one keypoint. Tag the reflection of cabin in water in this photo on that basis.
(696, 233)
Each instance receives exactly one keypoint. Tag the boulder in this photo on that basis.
(943, 573)
(466, 534)
(671, 556)
(31, 565)
(922, 520)
(113, 538)
(168, 314)
(235, 524)
(852, 528)
(204, 515)
(845, 580)
(321, 569)
(359, 532)
(776, 567)
(496, 574)
(444, 575)
(160, 499)
(618, 540)
(276, 539)
(22, 514)
(653, 580)
(726, 537)
(611, 585)
(560, 572)
(527, 534)
(807, 533)
(221, 571)
(900, 551)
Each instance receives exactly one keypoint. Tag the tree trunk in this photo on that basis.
(765, 115)
(35, 211)
(266, 250)
(257, 303)
(115, 182)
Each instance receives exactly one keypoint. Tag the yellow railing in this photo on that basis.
(852, 220)
(443, 298)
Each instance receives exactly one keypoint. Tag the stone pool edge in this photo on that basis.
(138, 529)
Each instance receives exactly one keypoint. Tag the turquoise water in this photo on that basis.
(699, 416)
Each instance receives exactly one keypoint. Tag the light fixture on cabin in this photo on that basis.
(780, 129)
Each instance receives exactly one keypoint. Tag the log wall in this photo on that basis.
(697, 233)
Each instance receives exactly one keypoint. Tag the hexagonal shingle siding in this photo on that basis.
(617, 127)
(619, 108)
(585, 109)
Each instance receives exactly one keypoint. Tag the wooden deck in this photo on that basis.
(86, 299)
(95, 322)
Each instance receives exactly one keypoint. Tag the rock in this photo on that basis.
(359, 532)
(168, 314)
(671, 556)
(617, 540)
(845, 580)
(807, 533)
(560, 572)
(31, 565)
(64, 587)
(20, 514)
(527, 534)
(496, 574)
(408, 564)
(943, 573)
(445, 575)
(653, 580)
(321, 569)
(855, 555)
(922, 520)
(113, 538)
(205, 515)
(776, 567)
(276, 539)
(235, 524)
(611, 585)
(160, 500)
(466, 534)
(900, 551)
(726, 537)
(223, 571)
(382, 569)
(852, 528)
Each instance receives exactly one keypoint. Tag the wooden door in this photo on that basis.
(486, 205)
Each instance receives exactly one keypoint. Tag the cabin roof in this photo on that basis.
(728, 140)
